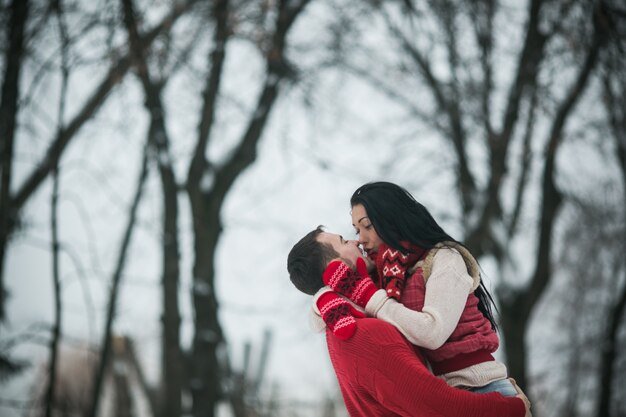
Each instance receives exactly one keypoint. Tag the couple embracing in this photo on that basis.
(409, 323)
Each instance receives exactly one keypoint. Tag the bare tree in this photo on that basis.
(13, 202)
(207, 182)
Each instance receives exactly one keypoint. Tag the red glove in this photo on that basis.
(338, 314)
(392, 265)
(356, 285)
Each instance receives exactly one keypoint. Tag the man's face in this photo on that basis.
(348, 250)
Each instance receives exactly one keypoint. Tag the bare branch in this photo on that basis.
(483, 13)
(211, 89)
(450, 107)
(277, 69)
(526, 158)
(94, 102)
(386, 88)
(549, 191)
(56, 328)
(526, 74)
(480, 237)
(105, 347)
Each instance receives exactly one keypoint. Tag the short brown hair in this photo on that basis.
(307, 261)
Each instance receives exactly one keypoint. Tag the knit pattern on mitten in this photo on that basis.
(338, 314)
(356, 285)
(392, 266)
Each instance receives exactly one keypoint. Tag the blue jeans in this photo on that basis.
(502, 386)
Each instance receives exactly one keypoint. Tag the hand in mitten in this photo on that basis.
(392, 265)
(394, 287)
(356, 285)
(338, 314)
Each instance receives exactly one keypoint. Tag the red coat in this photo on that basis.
(380, 374)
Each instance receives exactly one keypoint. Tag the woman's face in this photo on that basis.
(368, 238)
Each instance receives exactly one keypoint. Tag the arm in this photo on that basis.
(447, 289)
(379, 372)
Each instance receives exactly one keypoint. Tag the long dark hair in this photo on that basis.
(397, 216)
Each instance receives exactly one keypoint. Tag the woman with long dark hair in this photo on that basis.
(432, 292)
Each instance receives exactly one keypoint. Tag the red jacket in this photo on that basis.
(380, 374)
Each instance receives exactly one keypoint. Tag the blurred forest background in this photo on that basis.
(160, 158)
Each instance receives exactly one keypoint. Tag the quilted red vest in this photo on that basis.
(472, 341)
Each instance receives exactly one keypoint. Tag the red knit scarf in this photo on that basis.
(403, 262)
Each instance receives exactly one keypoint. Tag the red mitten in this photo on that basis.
(338, 314)
(394, 287)
(356, 285)
(392, 266)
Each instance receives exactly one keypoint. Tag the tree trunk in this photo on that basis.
(171, 405)
(171, 402)
(615, 104)
(208, 336)
(8, 117)
(207, 191)
(610, 349)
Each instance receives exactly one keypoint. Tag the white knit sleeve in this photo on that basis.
(447, 289)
